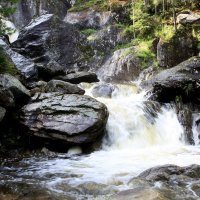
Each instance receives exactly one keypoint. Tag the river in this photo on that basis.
(140, 135)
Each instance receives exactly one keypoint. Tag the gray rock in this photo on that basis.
(185, 117)
(107, 38)
(180, 83)
(63, 87)
(168, 172)
(15, 88)
(89, 19)
(103, 90)
(52, 44)
(74, 119)
(178, 49)
(50, 70)
(26, 10)
(189, 18)
(24, 65)
(41, 84)
(140, 193)
(7, 99)
(2, 113)
(170, 181)
(79, 77)
(121, 66)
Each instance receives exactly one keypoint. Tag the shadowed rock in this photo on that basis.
(71, 118)
(63, 87)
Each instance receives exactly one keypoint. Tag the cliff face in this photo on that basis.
(26, 10)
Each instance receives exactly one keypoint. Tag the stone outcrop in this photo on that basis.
(179, 84)
(24, 65)
(12, 91)
(26, 10)
(121, 66)
(71, 118)
(177, 49)
(89, 19)
(52, 44)
(188, 18)
(107, 38)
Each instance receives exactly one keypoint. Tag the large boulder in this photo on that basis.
(25, 66)
(166, 182)
(188, 18)
(179, 84)
(177, 49)
(63, 87)
(50, 42)
(103, 90)
(108, 38)
(79, 77)
(26, 10)
(74, 119)
(122, 65)
(11, 87)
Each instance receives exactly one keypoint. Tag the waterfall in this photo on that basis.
(140, 135)
(13, 33)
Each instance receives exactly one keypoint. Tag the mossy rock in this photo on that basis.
(6, 64)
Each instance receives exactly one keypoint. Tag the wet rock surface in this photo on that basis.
(13, 92)
(180, 83)
(25, 66)
(79, 77)
(47, 39)
(166, 182)
(73, 119)
(63, 87)
(103, 90)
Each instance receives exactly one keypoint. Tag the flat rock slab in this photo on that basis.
(72, 118)
(79, 77)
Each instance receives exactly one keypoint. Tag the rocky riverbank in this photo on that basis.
(66, 85)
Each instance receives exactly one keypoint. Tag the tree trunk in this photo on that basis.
(174, 15)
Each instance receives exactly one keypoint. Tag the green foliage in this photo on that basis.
(166, 32)
(144, 52)
(6, 8)
(88, 31)
(144, 22)
(188, 88)
(6, 65)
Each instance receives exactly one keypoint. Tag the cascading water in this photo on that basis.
(135, 141)
(12, 32)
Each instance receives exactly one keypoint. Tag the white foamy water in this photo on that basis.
(132, 145)
(13, 33)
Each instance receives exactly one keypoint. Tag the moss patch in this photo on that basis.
(6, 65)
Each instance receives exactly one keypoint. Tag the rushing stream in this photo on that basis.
(135, 141)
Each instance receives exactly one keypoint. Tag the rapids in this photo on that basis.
(134, 142)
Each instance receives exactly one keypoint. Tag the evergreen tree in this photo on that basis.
(6, 8)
